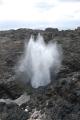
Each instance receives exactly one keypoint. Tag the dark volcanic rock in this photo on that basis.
(57, 101)
(12, 112)
(53, 30)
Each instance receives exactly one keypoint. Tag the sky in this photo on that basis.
(39, 14)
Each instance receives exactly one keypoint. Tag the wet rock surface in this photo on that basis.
(58, 101)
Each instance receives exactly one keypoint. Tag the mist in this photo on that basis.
(39, 61)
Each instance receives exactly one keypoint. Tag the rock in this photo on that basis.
(19, 101)
(58, 101)
(51, 30)
(12, 112)
(36, 115)
(22, 99)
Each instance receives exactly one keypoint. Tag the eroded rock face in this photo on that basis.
(59, 100)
